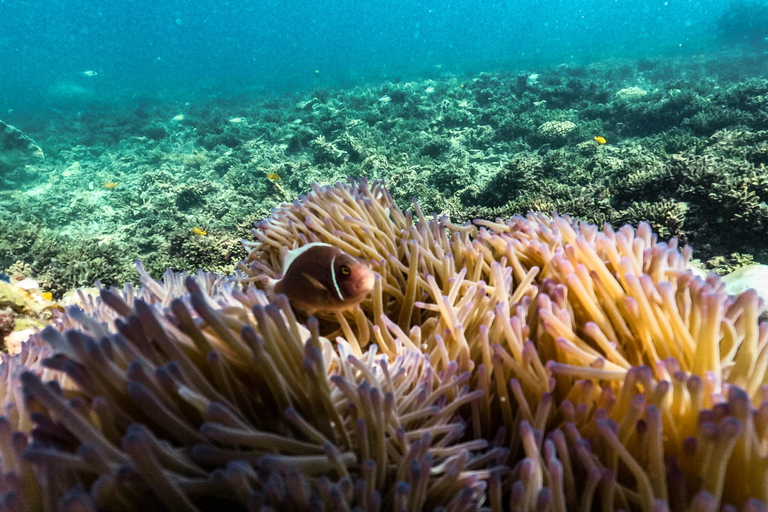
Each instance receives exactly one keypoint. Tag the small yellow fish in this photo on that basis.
(178, 118)
(273, 176)
(110, 184)
(199, 232)
(600, 140)
(47, 296)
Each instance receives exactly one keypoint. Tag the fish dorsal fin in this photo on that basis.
(295, 253)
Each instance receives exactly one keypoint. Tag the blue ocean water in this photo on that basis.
(162, 47)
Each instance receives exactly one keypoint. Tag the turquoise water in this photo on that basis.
(150, 47)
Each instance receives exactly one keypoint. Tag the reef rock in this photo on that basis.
(16, 148)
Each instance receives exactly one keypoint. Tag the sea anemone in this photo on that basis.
(534, 363)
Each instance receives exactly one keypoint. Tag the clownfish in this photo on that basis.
(320, 277)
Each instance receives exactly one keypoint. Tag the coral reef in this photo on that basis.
(676, 129)
(533, 363)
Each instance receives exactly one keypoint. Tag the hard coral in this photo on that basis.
(631, 94)
(554, 131)
(533, 363)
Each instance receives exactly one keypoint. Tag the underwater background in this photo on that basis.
(225, 48)
(168, 128)
(484, 352)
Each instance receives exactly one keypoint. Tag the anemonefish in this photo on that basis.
(320, 277)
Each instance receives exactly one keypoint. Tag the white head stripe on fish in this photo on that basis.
(295, 253)
(333, 275)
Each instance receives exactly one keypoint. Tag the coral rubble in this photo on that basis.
(533, 363)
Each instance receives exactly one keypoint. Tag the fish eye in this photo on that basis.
(345, 270)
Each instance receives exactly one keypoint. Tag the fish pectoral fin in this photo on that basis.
(314, 282)
(269, 287)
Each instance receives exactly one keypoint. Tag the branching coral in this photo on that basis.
(665, 216)
(534, 363)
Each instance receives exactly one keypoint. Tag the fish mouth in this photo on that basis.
(367, 283)
(363, 287)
